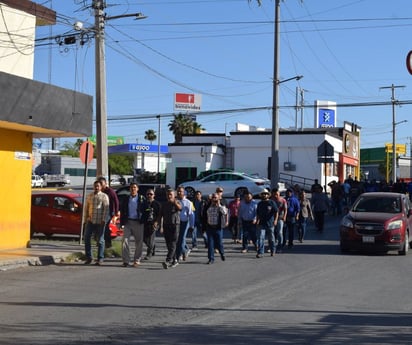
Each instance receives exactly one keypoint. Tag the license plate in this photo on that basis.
(368, 239)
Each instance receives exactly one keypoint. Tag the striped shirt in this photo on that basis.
(97, 207)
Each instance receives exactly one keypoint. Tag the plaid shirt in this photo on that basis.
(97, 207)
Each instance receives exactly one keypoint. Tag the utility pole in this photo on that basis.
(102, 157)
(274, 166)
(394, 101)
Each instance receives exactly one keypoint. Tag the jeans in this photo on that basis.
(302, 222)
(215, 240)
(249, 233)
(279, 235)
(98, 231)
(261, 235)
(182, 247)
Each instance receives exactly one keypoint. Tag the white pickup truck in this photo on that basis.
(56, 180)
(37, 181)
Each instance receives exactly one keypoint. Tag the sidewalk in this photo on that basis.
(40, 253)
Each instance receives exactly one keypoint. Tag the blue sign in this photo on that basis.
(326, 118)
(134, 148)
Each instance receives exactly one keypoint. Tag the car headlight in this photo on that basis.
(347, 222)
(396, 224)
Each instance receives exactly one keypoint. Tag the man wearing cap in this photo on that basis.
(247, 219)
(266, 218)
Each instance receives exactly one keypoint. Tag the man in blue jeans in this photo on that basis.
(187, 217)
(266, 215)
(292, 216)
(247, 218)
(97, 210)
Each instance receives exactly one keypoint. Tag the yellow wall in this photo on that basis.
(15, 188)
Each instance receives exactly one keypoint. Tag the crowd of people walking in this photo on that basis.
(268, 225)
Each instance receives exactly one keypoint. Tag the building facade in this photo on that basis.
(250, 152)
(28, 109)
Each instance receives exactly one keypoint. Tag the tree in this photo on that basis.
(71, 149)
(150, 135)
(121, 164)
(181, 124)
(197, 128)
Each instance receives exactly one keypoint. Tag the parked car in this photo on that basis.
(377, 221)
(159, 189)
(59, 213)
(231, 182)
(37, 181)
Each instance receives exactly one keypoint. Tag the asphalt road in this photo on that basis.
(310, 294)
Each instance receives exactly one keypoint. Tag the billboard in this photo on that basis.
(187, 102)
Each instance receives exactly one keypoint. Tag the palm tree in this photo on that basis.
(150, 135)
(197, 128)
(181, 124)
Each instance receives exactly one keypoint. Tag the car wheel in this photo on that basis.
(190, 192)
(405, 248)
(241, 191)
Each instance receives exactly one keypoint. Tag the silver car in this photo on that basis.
(233, 183)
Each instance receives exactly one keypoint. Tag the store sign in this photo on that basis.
(187, 102)
(325, 114)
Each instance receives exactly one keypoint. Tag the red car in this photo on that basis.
(60, 213)
(378, 221)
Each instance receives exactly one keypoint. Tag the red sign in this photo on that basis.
(86, 152)
(185, 98)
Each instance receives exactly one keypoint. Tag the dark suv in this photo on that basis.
(379, 222)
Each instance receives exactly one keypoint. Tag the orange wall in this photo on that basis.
(15, 188)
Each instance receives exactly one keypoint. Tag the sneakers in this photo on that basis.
(98, 262)
(125, 264)
(210, 262)
(136, 264)
(223, 257)
(174, 264)
(165, 265)
(258, 256)
(88, 261)
(244, 251)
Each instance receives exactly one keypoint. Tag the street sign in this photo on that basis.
(86, 152)
(325, 152)
(399, 148)
(187, 102)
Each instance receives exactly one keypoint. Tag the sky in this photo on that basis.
(348, 51)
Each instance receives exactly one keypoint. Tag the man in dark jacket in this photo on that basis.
(150, 211)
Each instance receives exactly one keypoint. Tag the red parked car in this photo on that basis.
(378, 221)
(60, 213)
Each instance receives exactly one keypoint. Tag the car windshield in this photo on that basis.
(381, 205)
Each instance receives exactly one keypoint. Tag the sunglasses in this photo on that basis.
(149, 194)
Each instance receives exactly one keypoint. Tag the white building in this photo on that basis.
(250, 152)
